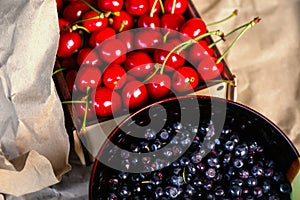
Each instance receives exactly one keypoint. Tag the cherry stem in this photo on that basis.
(249, 25)
(173, 7)
(83, 128)
(183, 176)
(228, 34)
(91, 7)
(191, 80)
(166, 37)
(76, 27)
(234, 13)
(58, 70)
(122, 26)
(230, 82)
(66, 102)
(82, 20)
(162, 7)
(153, 8)
(156, 66)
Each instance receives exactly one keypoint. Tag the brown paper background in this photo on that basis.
(34, 145)
(265, 61)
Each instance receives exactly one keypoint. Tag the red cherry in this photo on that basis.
(106, 102)
(145, 21)
(122, 22)
(114, 76)
(93, 24)
(174, 61)
(134, 94)
(97, 37)
(180, 6)
(130, 78)
(68, 44)
(73, 11)
(208, 69)
(196, 53)
(70, 79)
(88, 76)
(113, 51)
(135, 7)
(184, 79)
(88, 56)
(204, 44)
(69, 62)
(59, 5)
(127, 38)
(62, 23)
(79, 109)
(158, 86)
(172, 22)
(193, 28)
(148, 38)
(139, 64)
(157, 8)
(110, 5)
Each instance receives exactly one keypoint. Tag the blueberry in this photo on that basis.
(177, 126)
(112, 196)
(252, 181)
(167, 152)
(164, 135)
(258, 192)
(190, 190)
(257, 171)
(219, 191)
(227, 158)
(238, 163)
(213, 162)
(269, 172)
(266, 186)
(241, 151)
(235, 191)
(237, 181)
(158, 192)
(229, 145)
(150, 134)
(124, 191)
(123, 175)
(207, 185)
(177, 180)
(243, 173)
(285, 188)
(172, 192)
(184, 161)
(211, 173)
(191, 168)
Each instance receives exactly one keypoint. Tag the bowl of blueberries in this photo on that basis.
(195, 147)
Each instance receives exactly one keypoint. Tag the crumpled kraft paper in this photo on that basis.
(266, 59)
(34, 145)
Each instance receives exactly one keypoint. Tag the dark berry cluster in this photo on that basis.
(194, 164)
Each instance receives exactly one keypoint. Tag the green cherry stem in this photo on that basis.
(122, 26)
(191, 80)
(74, 24)
(173, 7)
(153, 8)
(249, 25)
(234, 13)
(66, 102)
(83, 127)
(157, 67)
(91, 7)
(58, 70)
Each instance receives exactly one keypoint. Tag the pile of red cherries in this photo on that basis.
(121, 55)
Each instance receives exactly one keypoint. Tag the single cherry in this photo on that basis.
(185, 79)
(62, 24)
(139, 64)
(136, 8)
(127, 38)
(106, 102)
(88, 76)
(146, 21)
(114, 76)
(179, 7)
(148, 38)
(93, 24)
(88, 56)
(69, 43)
(196, 54)
(158, 86)
(110, 5)
(172, 21)
(73, 11)
(208, 69)
(112, 51)
(97, 37)
(134, 94)
(193, 28)
(208, 50)
(80, 109)
(154, 9)
(122, 22)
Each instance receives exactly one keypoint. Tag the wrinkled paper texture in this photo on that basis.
(34, 145)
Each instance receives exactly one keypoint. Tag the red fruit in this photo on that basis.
(59, 5)
(122, 22)
(70, 79)
(94, 24)
(139, 64)
(157, 8)
(180, 6)
(148, 38)
(112, 51)
(62, 23)
(172, 21)
(158, 86)
(135, 7)
(114, 76)
(110, 5)
(97, 37)
(204, 44)
(208, 69)
(193, 28)
(88, 76)
(145, 21)
(73, 11)
(196, 54)
(184, 79)
(127, 38)
(88, 56)
(79, 109)
(173, 61)
(134, 94)
(68, 44)
(69, 62)
(106, 102)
